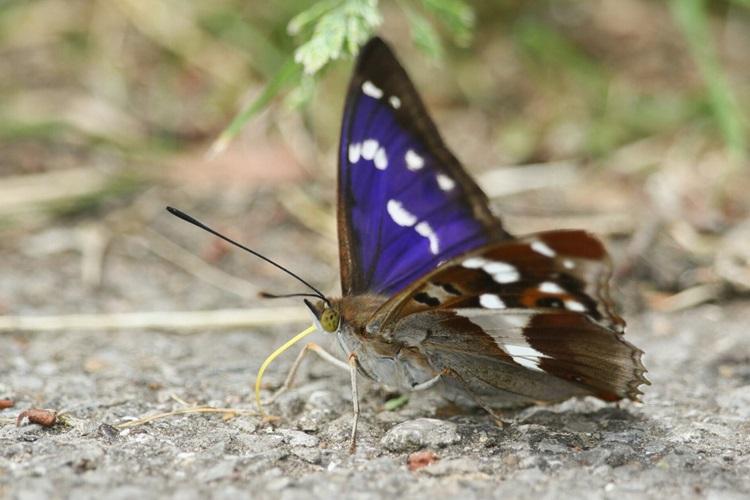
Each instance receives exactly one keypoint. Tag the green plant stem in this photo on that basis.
(692, 16)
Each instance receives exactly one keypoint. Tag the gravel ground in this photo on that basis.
(689, 438)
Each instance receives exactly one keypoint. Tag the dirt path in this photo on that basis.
(690, 438)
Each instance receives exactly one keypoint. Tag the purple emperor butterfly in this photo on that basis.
(436, 292)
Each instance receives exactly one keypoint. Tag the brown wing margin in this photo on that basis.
(378, 64)
(577, 356)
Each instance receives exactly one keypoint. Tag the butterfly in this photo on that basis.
(435, 292)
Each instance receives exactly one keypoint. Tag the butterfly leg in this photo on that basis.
(312, 346)
(355, 400)
(426, 385)
(497, 418)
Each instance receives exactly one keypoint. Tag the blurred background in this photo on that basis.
(625, 117)
(628, 118)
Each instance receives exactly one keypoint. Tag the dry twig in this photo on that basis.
(165, 320)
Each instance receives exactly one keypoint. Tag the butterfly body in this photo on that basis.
(390, 362)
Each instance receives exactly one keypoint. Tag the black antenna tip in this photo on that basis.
(182, 215)
(269, 295)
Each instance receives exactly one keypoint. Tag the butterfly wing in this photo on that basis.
(405, 204)
(529, 318)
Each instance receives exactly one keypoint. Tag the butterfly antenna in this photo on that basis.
(192, 220)
(267, 295)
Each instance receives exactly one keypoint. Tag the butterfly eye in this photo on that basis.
(329, 320)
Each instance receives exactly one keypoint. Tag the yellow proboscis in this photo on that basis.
(273, 356)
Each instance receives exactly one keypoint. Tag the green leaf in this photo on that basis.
(692, 16)
(396, 403)
(423, 34)
(289, 73)
(304, 18)
(343, 29)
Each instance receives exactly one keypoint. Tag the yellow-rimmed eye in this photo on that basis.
(329, 320)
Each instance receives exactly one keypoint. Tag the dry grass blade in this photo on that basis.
(26, 193)
(94, 241)
(185, 411)
(602, 224)
(512, 180)
(173, 25)
(192, 264)
(308, 211)
(166, 320)
(689, 297)
(642, 240)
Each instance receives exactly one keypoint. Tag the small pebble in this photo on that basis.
(421, 433)
(298, 438)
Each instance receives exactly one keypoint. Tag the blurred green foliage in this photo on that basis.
(692, 15)
(333, 28)
(145, 77)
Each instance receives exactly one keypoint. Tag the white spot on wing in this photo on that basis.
(424, 229)
(399, 214)
(523, 350)
(491, 301)
(501, 272)
(381, 159)
(518, 321)
(569, 264)
(355, 149)
(499, 325)
(574, 305)
(369, 148)
(525, 356)
(550, 287)
(395, 102)
(372, 90)
(445, 182)
(474, 262)
(413, 160)
(528, 363)
(542, 248)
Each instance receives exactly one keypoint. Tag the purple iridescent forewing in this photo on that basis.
(405, 203)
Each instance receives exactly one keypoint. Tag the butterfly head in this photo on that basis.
(325, 315)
